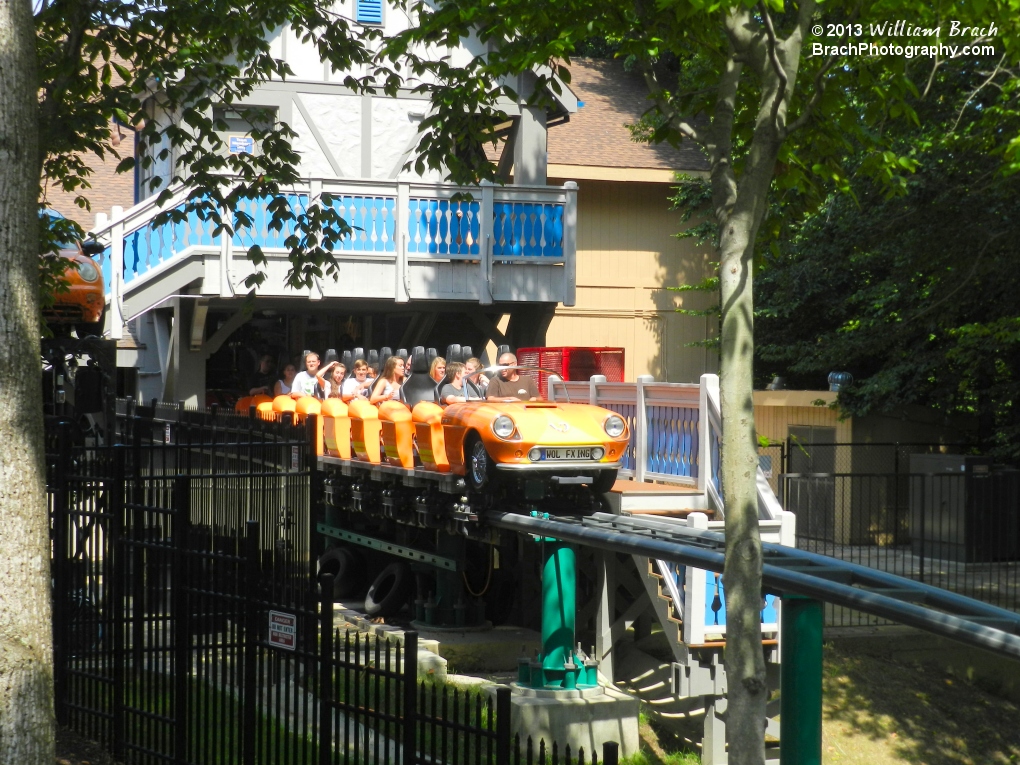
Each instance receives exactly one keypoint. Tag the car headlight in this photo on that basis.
(87, 271)
(614, 426)
(503, 426)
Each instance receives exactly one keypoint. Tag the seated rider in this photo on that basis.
(305, 382)
(473, 376)
(437, 369)
(358, 386)
(455, 391)
(387, 387)
(509, 384)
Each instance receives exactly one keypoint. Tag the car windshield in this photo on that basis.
(59, 230)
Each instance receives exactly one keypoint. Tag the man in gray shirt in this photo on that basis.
(509, 384)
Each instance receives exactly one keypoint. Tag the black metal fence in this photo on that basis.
(190, 625)
(952, 521)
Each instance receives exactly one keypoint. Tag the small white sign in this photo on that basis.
(241, 144)
(166, 434)
(295, 458)
(283, 630)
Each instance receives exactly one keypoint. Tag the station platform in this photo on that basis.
(657, 499)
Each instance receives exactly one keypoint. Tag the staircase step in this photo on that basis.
(631, 496)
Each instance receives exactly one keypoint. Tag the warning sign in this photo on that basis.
(283, 630)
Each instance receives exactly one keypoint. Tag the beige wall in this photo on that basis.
(626, 258)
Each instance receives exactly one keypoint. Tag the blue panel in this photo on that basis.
(527, 229)
(715, 603)
(368, 11)
(672, 440)
(373, 221)
(443, 227)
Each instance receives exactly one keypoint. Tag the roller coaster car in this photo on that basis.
(483, 443)
(83, 302)
(566, 443)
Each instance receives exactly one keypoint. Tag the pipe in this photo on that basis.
(775, 578)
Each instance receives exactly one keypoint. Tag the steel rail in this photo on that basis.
(775, 578)
(782, 555)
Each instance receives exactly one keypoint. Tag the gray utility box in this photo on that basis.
(963, 509)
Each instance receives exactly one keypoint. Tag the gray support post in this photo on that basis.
(570, 243)
(606, 614)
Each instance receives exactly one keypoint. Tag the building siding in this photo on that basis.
(627, 259)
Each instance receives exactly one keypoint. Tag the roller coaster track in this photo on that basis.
(788, 571)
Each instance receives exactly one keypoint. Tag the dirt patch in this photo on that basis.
(73, 749)
(882, 712)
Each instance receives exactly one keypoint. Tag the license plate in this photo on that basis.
(567, 454)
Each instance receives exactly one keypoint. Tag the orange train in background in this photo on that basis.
(482, 442)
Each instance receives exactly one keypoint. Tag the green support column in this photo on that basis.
(801, 685)
(559, 606)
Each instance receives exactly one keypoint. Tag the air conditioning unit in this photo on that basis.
(573, 363)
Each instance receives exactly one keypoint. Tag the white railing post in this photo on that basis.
(704, 434)
(116, 320)
(641, 429)
(593, 388)
(570, 243)
(550, 385)
(403, 293)
(485, 230)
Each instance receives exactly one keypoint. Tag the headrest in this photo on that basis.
(402, 353)
(373, 358)
(384, 355)
(330, 356)
(501, 350)
(465, 352)
(453, 354)
(359, 353)
(418, 361)
(430, 354)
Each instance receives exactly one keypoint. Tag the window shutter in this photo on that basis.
(369, 11)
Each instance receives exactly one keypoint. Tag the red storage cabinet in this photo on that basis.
(573, 363)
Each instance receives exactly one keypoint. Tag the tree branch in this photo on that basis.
(816, 97)
(978, 89)
(667, 110)
(777, 65)
(720, 145)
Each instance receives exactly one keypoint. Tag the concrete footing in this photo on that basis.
(578, 719)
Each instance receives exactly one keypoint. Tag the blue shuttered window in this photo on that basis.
(368, 11)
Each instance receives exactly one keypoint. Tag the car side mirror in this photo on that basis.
(92, 248)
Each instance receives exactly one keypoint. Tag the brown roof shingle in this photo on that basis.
(597, 134)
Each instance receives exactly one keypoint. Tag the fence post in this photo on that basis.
(641, 428)
(181, 613)
(325, 669)
(61, 587)
(138, 594)
(115, 565)
(610, 753)
(410, 686)
(503, 723)
(251, 642)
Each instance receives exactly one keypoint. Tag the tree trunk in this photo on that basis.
(26, 654)
(745, 663)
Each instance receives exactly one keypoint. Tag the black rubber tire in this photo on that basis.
(479, 467)
(347, 568)
(390, 590)
(604, 481)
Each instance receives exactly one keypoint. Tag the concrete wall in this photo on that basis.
(627, 257)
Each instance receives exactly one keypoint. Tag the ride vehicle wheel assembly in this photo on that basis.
(480, 468)
(346, 567)
(604, 481)
(390, 590)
